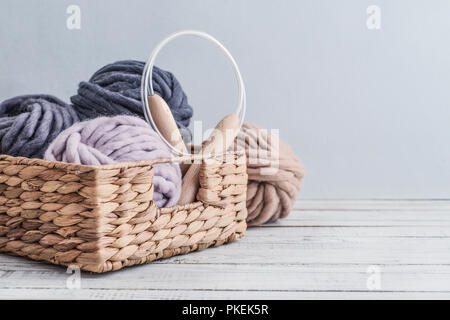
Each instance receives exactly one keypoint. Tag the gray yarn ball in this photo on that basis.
(115, 89)
(29, 123)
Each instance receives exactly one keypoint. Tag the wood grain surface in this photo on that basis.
(326, 249)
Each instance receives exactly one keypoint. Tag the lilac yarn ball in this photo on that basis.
(107, 140)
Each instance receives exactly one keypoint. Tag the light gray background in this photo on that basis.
(366, 110)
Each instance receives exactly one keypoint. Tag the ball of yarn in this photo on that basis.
(115, 89)
(29, 123)
(107, 140)
(274, 175)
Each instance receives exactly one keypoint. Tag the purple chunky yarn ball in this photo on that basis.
(107, 140)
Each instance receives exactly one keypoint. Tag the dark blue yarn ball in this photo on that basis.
(29, 123)
(115, 90)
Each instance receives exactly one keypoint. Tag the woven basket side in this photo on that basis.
(144, 233)
(121, 204)
(56, 212)
(104, 218)
(223, 182)
(42, 207)
(223, 186)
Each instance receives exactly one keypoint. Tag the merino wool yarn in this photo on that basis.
(106, 140)
(29, 123)
(274, 175)
(115, 89)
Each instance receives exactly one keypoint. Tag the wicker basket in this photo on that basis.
(103, 218)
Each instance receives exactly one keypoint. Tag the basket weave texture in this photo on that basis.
(103, 218)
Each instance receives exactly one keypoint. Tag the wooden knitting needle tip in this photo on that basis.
(165, 122)
(220, 140)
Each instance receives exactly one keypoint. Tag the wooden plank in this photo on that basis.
(382, 204)
(322, 250)
(379, 218)
(210, 295)
(287, 233)
(330, 251)
(416, 278)
(369, 245)
(267, 237)
(290, 247)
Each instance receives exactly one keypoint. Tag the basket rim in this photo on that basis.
(119, 165)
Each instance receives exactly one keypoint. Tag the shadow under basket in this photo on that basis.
(103, 218)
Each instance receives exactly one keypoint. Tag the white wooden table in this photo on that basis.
(328, 249)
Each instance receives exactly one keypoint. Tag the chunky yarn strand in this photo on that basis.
(274, 173)
(107, 140)
(115, 89)
(29, 123)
